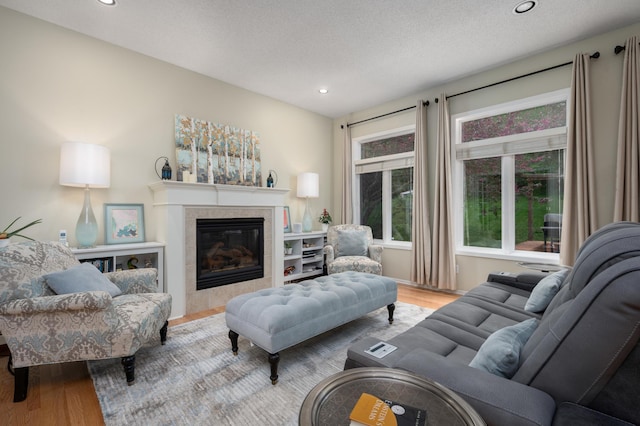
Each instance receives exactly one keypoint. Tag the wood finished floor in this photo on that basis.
(63, 394)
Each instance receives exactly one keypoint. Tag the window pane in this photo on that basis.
(539, 191)
(401, 203)
(371, 202)
(388, 146)
(527, 120)
(482, 203)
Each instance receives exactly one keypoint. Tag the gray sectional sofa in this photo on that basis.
(579, 363)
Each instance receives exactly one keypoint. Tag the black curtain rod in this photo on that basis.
(594, 56)
(425, 103)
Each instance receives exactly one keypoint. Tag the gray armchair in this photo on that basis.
(42, 327)
(351, 248)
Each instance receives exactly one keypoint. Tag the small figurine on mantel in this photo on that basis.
(271, 183)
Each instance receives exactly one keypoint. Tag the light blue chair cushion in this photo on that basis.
(500, 353)
(81, 278)
(544, 291)
(352, 243)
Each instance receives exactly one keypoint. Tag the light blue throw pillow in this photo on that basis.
(500, 353)
(544, 291)
(80, 278)
(352, 243)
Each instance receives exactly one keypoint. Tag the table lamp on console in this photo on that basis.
(89, 166)
(308, 187)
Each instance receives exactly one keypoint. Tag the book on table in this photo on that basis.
(373, 411)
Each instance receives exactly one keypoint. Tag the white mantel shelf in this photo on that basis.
(169, 192)
(170, 201)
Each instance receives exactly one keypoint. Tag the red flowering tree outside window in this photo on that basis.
(538, 179)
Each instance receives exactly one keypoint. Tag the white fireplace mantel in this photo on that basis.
(205, 194)
(171, 198)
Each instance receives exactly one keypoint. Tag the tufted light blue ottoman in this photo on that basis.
(277, 318)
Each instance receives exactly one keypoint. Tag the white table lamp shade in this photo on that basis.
(308, 185)
(89, 166)
(83, 164)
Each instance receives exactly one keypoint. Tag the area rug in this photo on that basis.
(195, 379)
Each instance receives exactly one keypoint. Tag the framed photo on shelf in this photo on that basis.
(123, 223)
(287, 220)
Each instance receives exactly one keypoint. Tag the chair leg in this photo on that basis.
(129, 364)
(20, 380)
(21, 384)
(163, 333)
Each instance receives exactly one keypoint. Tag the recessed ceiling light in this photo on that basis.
(107, 2)
(524, 7)
(323, 91)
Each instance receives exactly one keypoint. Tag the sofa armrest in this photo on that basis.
(329, 253)
(499, 401)
(523, 280)
(375, 252)
(91, 300)
(130, 281)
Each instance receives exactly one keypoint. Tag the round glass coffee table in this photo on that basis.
(330, 402)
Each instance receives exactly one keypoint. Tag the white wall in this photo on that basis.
(57, 85)
(606, 75)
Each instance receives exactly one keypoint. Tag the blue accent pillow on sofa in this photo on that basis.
(80, 278)
(545, 290)
(500, 353)
(352, 243)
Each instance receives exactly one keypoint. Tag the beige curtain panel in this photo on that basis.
(346, 202)
(579, 207)
(420, 228)
(443, 271)
(627, 203)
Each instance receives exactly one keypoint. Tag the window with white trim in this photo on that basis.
(383, 184)
(509, 176)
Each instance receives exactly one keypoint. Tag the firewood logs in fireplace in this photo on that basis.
(221, 257)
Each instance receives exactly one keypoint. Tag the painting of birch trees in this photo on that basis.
(217, 153)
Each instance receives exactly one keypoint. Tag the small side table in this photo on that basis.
(330, 402)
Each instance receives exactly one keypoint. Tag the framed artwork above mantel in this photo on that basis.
(208, 152)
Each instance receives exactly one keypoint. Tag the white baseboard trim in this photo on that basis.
(427, 287)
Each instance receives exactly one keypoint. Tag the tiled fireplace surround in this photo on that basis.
(177, 205)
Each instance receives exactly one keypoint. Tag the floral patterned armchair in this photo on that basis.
(351, 248)
(42, 327)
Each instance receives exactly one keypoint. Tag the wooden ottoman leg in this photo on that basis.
(391, 308)
(234, 341)
(273, 360)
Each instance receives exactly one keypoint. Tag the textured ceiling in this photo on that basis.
(365, 52)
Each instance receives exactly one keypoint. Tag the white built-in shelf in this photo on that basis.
(114, 257)
(307, 257)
